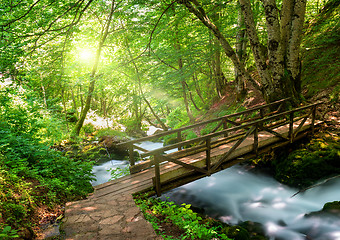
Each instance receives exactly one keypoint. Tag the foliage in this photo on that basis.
(6, 232)
(119, 172)
(193, 226)
(32, 174)
(321, 65)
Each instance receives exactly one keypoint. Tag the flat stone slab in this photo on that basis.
(108, 217)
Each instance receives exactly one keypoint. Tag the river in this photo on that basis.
(240, 194)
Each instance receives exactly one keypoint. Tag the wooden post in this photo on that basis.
(225, 126)
(207, 153)
(291, 122)
(261, 113)
(256, 140)
(179, 138)
(262, 116)
(313, 118)
(157, 175)
(131, 156)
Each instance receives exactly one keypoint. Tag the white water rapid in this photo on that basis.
(237, 194)
(102, 170)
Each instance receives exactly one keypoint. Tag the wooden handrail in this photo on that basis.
(232, 129)
(155, 136)
(267, 123)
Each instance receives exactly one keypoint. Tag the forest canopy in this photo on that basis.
(137, 61)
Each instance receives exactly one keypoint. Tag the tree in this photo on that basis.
(280, 72)
(103, 36)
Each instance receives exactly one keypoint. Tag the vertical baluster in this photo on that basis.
(262, 116)
(313, 118)
(291, 127)
(225, 126)
(261, 113)
(207, 152)
(256, 140)
(131, 156)
(157, 175)
(179, 138)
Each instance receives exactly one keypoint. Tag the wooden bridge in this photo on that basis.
(234, 138)
(110, 212)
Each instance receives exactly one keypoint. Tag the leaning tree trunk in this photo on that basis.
(90, 91)
(199, 12)
(280, 73)
(220, 80)
(164, 127)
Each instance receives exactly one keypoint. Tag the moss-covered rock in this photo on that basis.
(332, 207)
(256, 230)
(236, 232)
(304, 166)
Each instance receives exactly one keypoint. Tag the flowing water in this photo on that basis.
(102, 170)
(238, 194)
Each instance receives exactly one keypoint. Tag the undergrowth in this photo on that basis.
(32, 175)
(321, 46)
(189, 224)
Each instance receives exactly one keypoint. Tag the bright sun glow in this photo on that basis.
(85, 54)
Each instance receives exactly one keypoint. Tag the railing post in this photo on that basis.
(262, 116)
(157, 175)
(313, 118)
(179, 139)
(225, 126)
(207, 153)
(131, 155)
(256, 139)
(291, 125)
(261, 113)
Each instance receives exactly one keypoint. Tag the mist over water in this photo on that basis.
(238, 194)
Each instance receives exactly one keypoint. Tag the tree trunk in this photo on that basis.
(199, 12)
(90, 91)
(241, 46)
(187, 108)
(64, 106)
(220, 80)
(183, 83)
(74, 102)
(197, 88)
(164, 127)
(279, 67)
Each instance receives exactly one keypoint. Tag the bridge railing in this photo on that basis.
(267, 124)
(264, 121)
(222, 123)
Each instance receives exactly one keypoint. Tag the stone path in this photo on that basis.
(111, 218)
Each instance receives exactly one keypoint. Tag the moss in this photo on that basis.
(332, 206)
(236, 233)
(302, 167)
